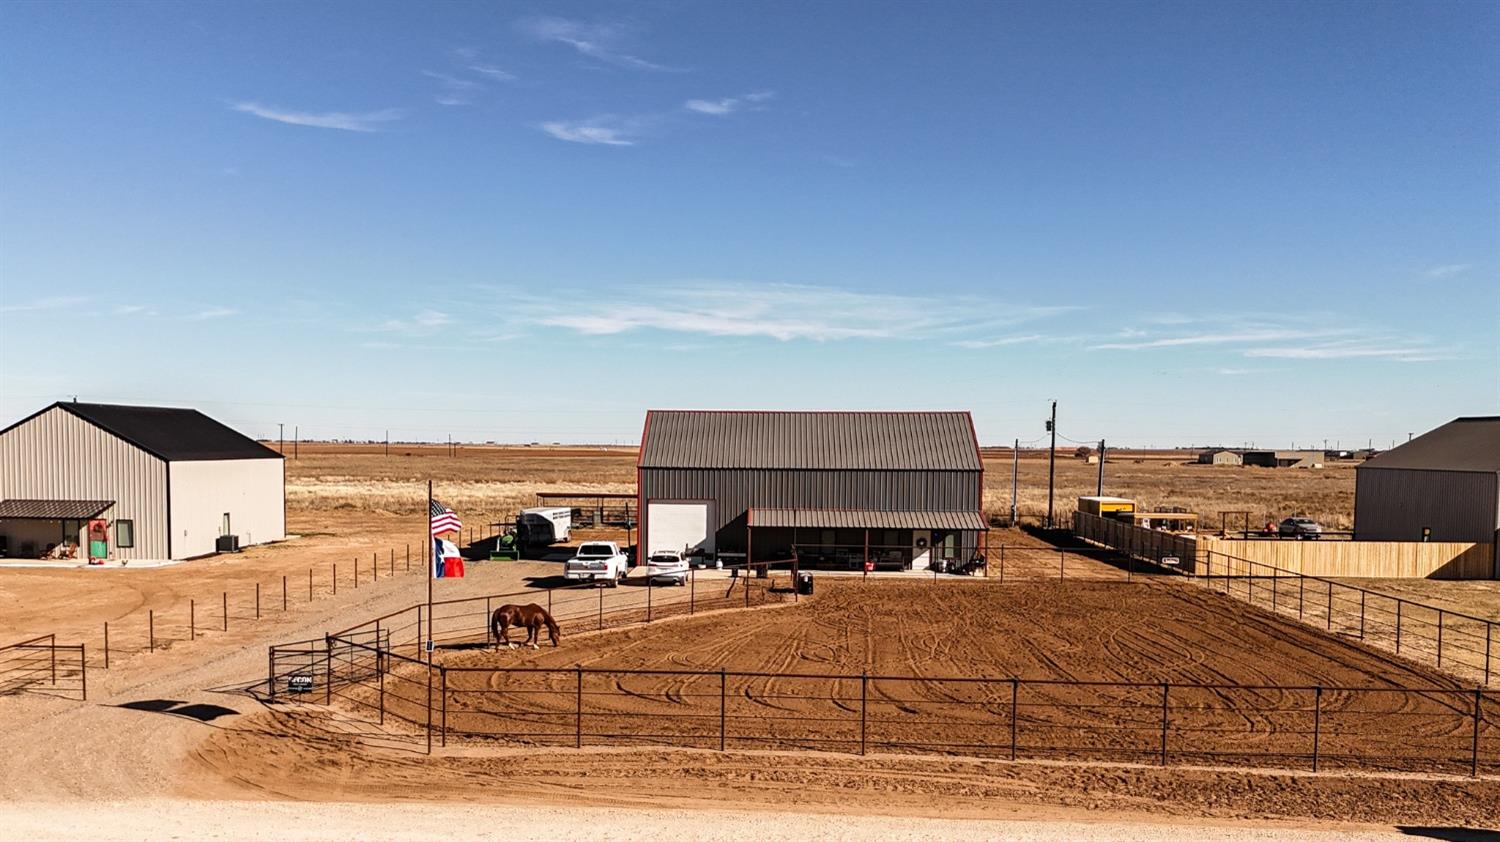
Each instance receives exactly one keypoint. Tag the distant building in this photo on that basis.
(1283, 458)
(1220, 457)
(167, 483)
(1442, 486)
(898, 489)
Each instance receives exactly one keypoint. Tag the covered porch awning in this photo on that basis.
(864, 519)
(52, 509)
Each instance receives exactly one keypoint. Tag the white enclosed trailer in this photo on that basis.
(544, 525)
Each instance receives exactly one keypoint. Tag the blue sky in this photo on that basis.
(1188, 223)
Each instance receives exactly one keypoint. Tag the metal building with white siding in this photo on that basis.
(168, 482)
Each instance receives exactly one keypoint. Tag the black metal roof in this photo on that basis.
(920, 441)
(171, 434)
(865, 518)
(1463, 444)
(53, 509)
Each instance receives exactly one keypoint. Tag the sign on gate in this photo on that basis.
(299, 682)
(1170, 560)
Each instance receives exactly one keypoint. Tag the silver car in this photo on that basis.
(667, 567)
(1300, 527)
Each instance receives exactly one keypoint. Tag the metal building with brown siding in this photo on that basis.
(905, 486)
(1446, 481)
(168, 481)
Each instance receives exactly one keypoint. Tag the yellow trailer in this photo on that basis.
(1106, 506)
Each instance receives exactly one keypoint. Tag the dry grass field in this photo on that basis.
(327, 479)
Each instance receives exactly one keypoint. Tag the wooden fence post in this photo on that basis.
(578, 708)
(151, 628)
(1474, 745)
(1440, 639)
(444, 697)
(106, 644)
(257, 600)
(283, 594)
(1329, 618)
(723, 718)
(192, 620)
(226, 610)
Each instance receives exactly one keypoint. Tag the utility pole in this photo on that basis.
(1015, 471)
(281, 438)
(388, 443)
(1051, 461)
(296, 439)
(1099, 488)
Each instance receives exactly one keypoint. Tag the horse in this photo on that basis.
(530, 617)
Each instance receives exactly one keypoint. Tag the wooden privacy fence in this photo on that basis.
(1391, 729)
(1397, 559)
(1151, 545)
(42, 665)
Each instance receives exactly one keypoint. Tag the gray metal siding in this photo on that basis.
(931, 441)
(736, 491)
(56, 455)
(1393, 504)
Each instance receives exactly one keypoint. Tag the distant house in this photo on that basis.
(1220, 457)
(1284, 458)
(1440, 486)
(164, 483)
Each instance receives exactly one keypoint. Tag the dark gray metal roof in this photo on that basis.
(920, 441)
(168, 433)
(857, 519)
(1463, 444)
(53, 509)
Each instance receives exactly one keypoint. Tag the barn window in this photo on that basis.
(125, 534)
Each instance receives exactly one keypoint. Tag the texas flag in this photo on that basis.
(446, 562)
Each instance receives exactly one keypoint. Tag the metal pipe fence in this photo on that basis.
(42, 665)
(1459, 644)
(1384, 729)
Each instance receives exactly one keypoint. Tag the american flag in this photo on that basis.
(444, 520)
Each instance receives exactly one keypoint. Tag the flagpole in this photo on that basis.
(431, 564)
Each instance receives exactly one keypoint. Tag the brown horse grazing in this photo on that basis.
(530, 617)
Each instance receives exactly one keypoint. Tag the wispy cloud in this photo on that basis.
(1448, 270)
(1002, 341)
(212, 313)
(1406, 351)
(368, 121)
(782, 311)
(134, 310)
(421, 323)
(454, 91)
(1220, 338)
(727, 105)
(610, 43)
(607, 131)
(56, 302)
(492, 72)
(839, 161)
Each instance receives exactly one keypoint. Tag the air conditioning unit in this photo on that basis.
(228, 544)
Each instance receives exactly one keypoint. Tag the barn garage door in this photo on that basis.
(678, 526)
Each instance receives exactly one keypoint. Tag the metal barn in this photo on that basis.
(901, 490)
(166, 483)
(1440, 486)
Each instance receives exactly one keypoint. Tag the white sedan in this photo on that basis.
(668, 567)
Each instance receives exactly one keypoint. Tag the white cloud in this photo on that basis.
(421, 323)
(1000, 342)
(492, 72)
(1410, 352)
(455, 91)
(369, 121)
(1448, 270)
(1227, 338)
(727, 105)
(601, 130)
(781, 311)
(56, 302)
(212, 313)
(606, 42)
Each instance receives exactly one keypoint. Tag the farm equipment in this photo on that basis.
(506, 548)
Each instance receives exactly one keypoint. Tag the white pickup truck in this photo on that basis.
(597, 561)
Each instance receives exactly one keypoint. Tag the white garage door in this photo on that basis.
(677, 527)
